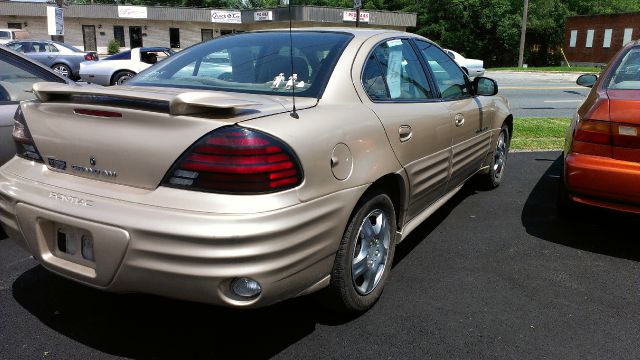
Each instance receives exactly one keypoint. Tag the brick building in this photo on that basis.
(91, 27)
(593, 40)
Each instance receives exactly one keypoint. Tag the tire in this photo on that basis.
(352, 292)
(3, 235)
(121, 77)
(62, 69)
(493, 178)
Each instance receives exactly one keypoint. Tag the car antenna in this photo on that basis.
(293, 113)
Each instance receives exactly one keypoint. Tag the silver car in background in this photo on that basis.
(119, 68)
(62, 58)
(473, 67)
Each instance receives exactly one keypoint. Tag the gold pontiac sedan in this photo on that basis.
(298, 166)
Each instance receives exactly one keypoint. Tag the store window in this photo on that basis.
(207, 34)
(14, 25)
(118, 34)
(174, 38)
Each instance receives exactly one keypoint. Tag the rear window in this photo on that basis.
(66, 46)
(5, 35)
(258, 62)
(626, 75)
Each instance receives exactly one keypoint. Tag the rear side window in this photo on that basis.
(6, 35)
(627, 75)
(394, 64)
(448, 75)
(17, 78)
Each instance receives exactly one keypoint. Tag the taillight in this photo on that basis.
(236, 160)
(89, 56)
(25, 147)
(594, 131)
(608, 133)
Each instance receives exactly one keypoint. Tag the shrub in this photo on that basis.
(113, 47)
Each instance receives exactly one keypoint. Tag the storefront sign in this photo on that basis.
(55, 20)
(229, 17)
(263, 15)
(132, 12)
(351, 16)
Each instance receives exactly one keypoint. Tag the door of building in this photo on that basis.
(89, 37)
(135, 36)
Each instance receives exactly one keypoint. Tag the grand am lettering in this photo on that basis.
(99, 172)
(70, 199)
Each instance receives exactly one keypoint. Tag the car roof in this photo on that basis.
(32, 62)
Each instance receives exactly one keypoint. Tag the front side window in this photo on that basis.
(448, 75)
(258, 62)
(627, 75)
(393, 72)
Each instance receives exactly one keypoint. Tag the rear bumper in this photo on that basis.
(603, 182)
(179, 254)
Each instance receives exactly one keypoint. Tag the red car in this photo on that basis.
(602, 145)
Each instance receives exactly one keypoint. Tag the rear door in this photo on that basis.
(416, 122)
(469, 115)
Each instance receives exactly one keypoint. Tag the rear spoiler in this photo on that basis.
(186, 103)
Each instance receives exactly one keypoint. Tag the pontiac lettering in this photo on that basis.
(70, 199)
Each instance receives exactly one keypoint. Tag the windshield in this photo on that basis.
(627, 75)
(253, 62)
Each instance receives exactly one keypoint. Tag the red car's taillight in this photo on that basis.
(594, 131)
(25, 147)
(236, 160)
(608, 133)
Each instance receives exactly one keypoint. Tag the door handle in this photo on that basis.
(405, 133)
(459, 120)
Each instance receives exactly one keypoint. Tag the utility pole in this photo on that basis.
(523, 32)
(357, 4)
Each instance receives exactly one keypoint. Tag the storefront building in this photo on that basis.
(91, 27)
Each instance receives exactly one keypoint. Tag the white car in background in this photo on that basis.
(119, 68)
(473, 67)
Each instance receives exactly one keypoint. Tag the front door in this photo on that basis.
(89, 37)
(135, 36)
(471, 138)
(417, 124)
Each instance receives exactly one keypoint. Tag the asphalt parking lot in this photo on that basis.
(493, 274)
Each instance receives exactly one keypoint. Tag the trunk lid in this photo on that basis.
(130, 135)
(624, 106)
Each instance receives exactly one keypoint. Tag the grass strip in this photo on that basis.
(545, 133)
(577, 69)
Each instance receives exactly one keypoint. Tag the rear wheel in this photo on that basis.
(62, 69)
(122, 77)
(364, 258)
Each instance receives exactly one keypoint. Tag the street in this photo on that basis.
(493, 274)
(534, 94)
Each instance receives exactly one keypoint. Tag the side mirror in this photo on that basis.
(485, 86)
(587, 80)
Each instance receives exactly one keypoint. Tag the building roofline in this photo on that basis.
(299, 13)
